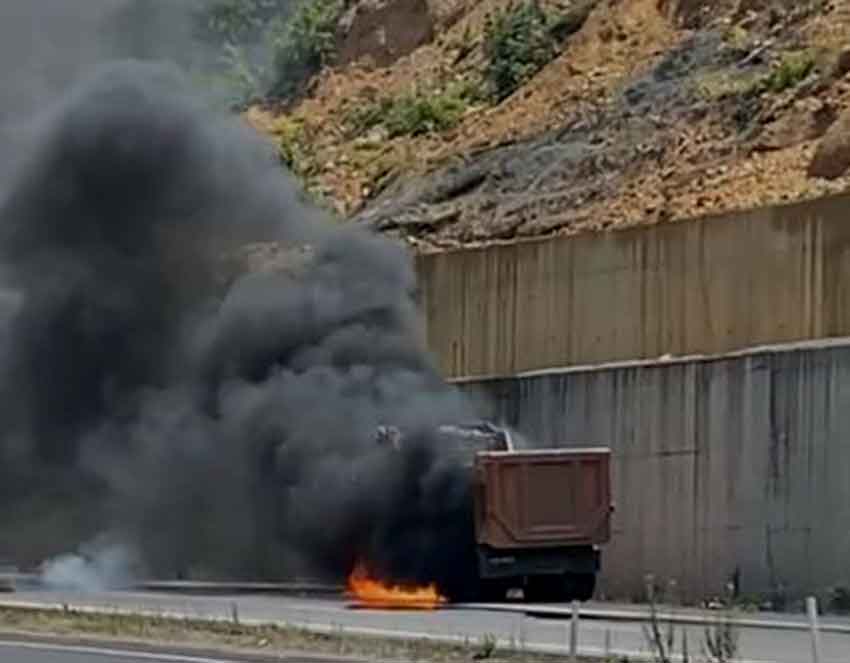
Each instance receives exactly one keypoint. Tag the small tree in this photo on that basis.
(518, 42)
(304, 43)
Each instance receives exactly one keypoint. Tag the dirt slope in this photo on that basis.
(654, 111)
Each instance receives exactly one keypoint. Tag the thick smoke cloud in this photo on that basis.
(225, 430)
(47, 45)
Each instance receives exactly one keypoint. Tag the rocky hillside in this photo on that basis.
(459, 122)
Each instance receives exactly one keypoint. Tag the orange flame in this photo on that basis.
(375, 593)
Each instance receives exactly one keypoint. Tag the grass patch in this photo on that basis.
(792, 69)
(269, 639)
(416, 113)
(293, 147)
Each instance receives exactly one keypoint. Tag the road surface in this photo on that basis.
(33, 651)
(537, 634)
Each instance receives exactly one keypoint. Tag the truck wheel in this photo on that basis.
(580, 586)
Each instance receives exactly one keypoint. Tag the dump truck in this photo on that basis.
(541, 515)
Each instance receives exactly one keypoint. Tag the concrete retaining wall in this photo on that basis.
(708, 286)
(737, 462)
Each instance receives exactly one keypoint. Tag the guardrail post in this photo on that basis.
(812, 610)
(574, 633)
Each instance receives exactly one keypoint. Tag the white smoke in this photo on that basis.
(95, 567)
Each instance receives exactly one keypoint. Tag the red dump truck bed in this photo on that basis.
(542, 498)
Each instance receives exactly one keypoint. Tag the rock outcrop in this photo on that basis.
(832, 157)
(383, 30)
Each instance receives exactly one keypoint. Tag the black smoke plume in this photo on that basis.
(215, 427)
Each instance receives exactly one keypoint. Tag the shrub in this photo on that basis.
(242, 78)
(303, 44)
(518, 42)
(793, 69)
(416, 113)
(270, 46)
(292, 145)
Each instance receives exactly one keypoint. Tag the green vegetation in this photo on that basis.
(243, 79)
(292, 146)
(295, 154)
(518, 42)
(303, 44)
(416, 113)
(238, 22)
(269, 47)
(791, 70)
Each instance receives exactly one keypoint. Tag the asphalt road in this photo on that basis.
(49, 652)
(33, 650)
(595, 636)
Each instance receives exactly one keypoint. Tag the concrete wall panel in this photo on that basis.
(707, 286)
(735, 462)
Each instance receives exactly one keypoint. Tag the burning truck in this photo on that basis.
(202, 405)
(540, 517)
